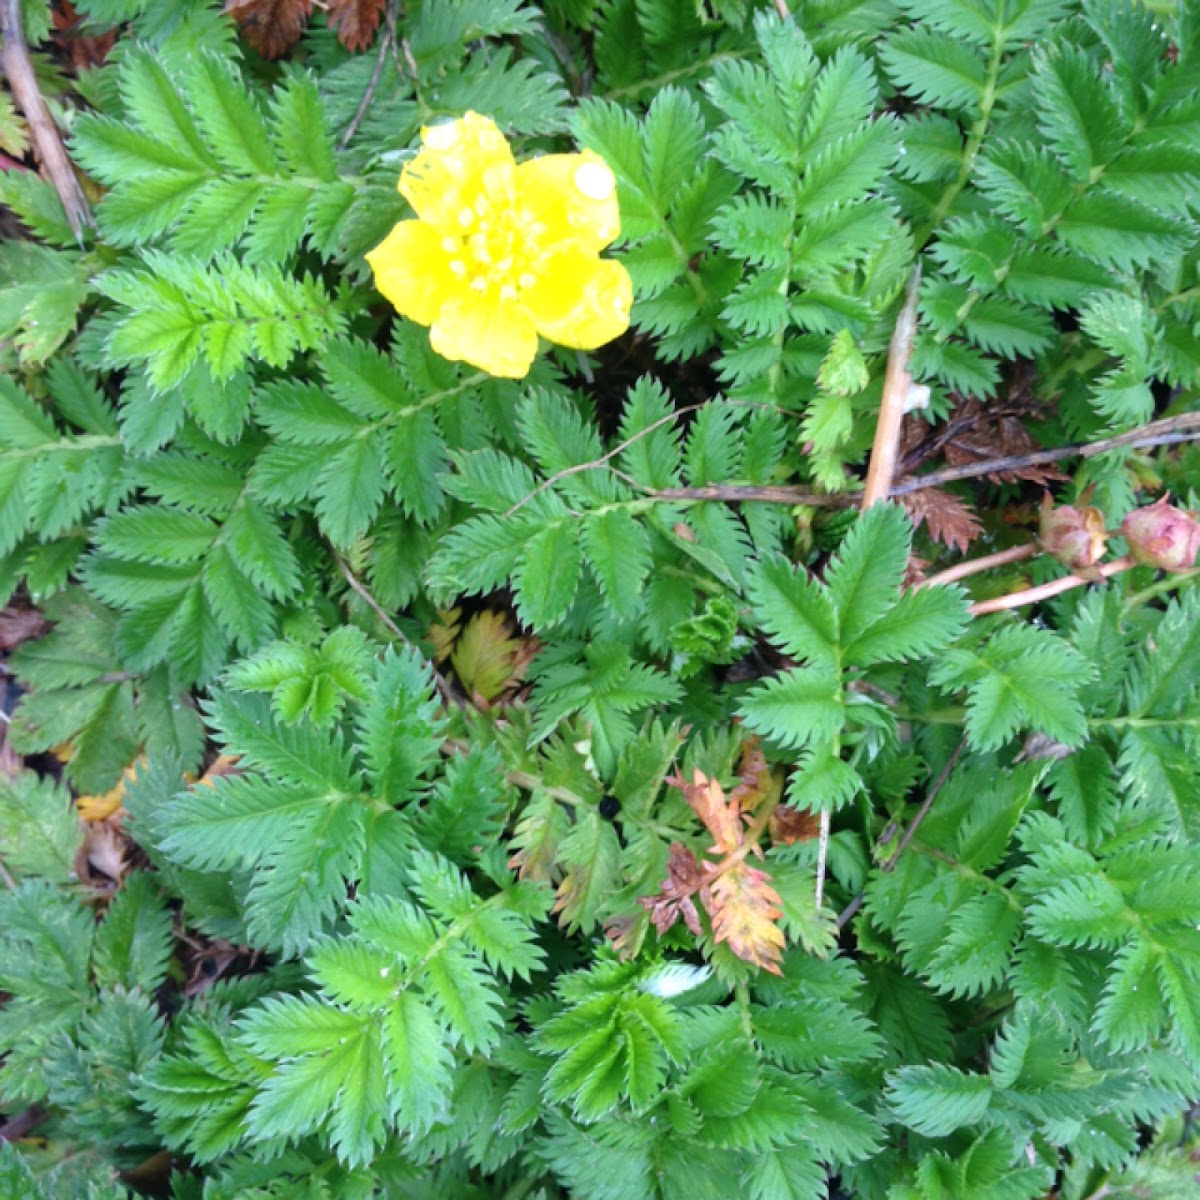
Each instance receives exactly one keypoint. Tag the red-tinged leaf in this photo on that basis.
(272, 27)
(950, 520)
(355, 21)
(674, 899)
(744, 907)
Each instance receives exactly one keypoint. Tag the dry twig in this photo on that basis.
(896, 384)
(18, 69)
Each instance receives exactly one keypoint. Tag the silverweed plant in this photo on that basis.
(600, 599)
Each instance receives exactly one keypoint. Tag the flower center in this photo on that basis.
(497, 249)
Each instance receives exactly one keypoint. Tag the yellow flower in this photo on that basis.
(502, 253)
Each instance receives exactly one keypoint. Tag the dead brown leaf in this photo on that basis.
(85, 50)
(949, 519)
(355, 21)
(788, 825)
(674, 899)
(20, 624)
(272, 27)
(741, 900)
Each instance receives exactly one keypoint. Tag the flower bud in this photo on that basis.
(1163, 536)
(1074, 536)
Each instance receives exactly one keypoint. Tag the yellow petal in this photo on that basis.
(489, 333)
(458, 164)
(573, 195)
(579, 300)
(412, 269)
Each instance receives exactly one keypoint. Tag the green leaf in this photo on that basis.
(418, 1064)
(796, 611)
(547, 575)
(618, 552)
(864, 577)
(40, 832)
(133, 944)
(798, 707)
(937, 1100)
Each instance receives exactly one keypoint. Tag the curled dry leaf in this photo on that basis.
(355, 21)
(103, 806)
(19, 624)
(788, 825)
(272, 27)
(949, 519)
(674, 899)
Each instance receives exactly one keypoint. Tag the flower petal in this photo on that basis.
(579, 300)
(412, 269)
(573, 195)
(458, 163)
(489, 333)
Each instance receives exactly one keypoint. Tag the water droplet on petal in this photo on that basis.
(527, 280)
(594, 180)
(458, 267)
(466, 217)
(479, 284)
(450, 244)
(508, 292)
(441, 137)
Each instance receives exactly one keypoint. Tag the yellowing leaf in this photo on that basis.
(741, 900)
(487, 659)
(100, 807)
(744, 907)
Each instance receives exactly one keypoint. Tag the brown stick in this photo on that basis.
(1167, 432)
(1054, 588)
(896, 383)
(44, 133)
(974, 565)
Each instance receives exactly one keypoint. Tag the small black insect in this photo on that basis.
(609, 807)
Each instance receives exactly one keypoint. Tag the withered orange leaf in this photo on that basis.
(788, 825)
(355, 21)
(720, 816)
(740, 899)
(754, 778)
(745, 907)
(272, 27)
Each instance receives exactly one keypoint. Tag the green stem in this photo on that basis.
(974, 140)
(1167, 584)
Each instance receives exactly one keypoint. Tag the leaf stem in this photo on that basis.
(1055, 587)
(975, 565)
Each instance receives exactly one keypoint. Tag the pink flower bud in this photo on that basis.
(1163, 536)
(1075, 536)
